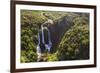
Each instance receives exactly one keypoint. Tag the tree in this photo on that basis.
(75, 42)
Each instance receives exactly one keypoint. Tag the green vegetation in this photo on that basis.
(73, 45)
(75, 42)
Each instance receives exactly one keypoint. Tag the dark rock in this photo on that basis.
(59, 28)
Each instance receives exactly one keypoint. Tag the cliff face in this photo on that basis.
(59, 28)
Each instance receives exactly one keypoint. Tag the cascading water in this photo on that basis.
(44, 41)
(46, 38)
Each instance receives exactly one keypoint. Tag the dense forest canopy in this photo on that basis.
(69, 34)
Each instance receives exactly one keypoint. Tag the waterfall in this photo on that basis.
(47, 45)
